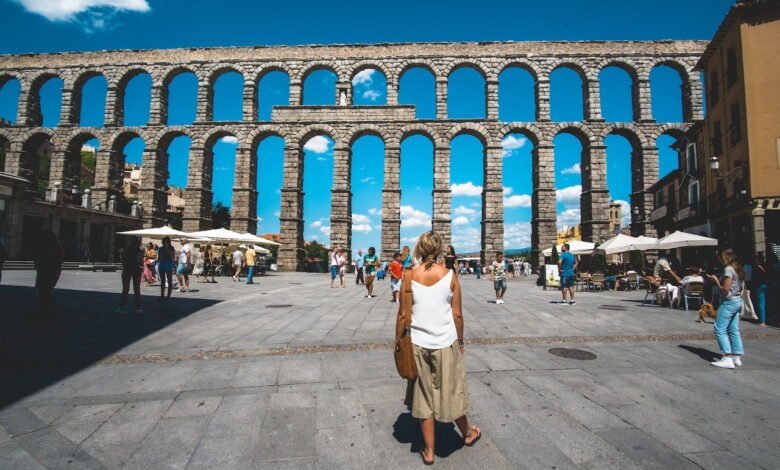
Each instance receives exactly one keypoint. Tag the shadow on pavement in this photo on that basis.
(39, 350)
(705, 354)
(406, 430)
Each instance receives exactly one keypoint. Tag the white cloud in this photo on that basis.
(229, 139)
(517, 235)
(361, 228)
(277, 214)
(462, 220)
(572, 170)
(463, 210)
(317, 144)
(570, 195)
(316, 224)
(325, 230)
(474, 204)
(569, 217)
(625, 212)
(375, 211)
(364, 76)
(411, 217)
(507, 190)
(518, 200)
(368, 179)
(410, 240)
(466, 189)
(92, 15)
(512, 143)
(467, 239)
(314, 237)
(360, 219)
(371, 95)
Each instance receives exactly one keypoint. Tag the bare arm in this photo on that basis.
(457, 310)
(400, 320)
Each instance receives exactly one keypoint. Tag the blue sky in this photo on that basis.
(49, 26)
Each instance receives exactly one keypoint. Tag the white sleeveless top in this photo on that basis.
(432, 324)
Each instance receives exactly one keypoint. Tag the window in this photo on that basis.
(713, 92)
(693, 194)
(735, 130)
(691, 164)
(672, 199)
(731, 70)
(717, 139)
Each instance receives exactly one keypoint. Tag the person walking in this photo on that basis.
(165, 256)
(396, 272)
(370, 264)
(406, 257)
(238, 262)
(342, 260)
(478, 269)
(184, 266)
(440, 392)
(334, 266)
(150, 258)
(450, 259)
(359, 280)
(567, 265)
(760, 286)
(498, 274)
(48, 266)
(726, 329)
(132, 268)
(250, 256)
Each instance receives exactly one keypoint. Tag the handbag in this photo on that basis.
(747, 306)
(404, 352)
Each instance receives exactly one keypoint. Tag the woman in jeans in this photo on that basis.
(440, 392)
(165, 256)
(760, 286)
(726, 329)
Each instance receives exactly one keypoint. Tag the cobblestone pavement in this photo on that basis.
(292, 374)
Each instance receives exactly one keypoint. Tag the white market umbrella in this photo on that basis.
(223, 235)
(621, 244)
(261, 250)
(258, 240)
(646, 243)
(161, 232)
(576, 247)
(681, 240)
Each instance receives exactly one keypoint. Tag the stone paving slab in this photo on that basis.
(208, 381)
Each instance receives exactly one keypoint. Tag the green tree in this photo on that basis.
(220, 215)
(316, 251)
(554, 255)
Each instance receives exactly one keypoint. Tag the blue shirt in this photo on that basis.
(567, 264)
(360, 262)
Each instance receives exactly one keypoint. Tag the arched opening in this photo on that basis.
(466, 94)
(569, 151)
(417, 86)
(270, 177)
(666, 88)
(518, 156)
(135, 98)
(36, 162)
(227, 96)
(317, 184)
(616, 89)
(416, 187)
(567, 95)
(319, 88)
(367, 180)
(180, 98)
(9, 98)
(90, 101)
(80, 162)
(177, 149)
(516, 95)
(467, 154)
(622, 180)
(46, 101)
(273, 89)
(126, 169)
(221, 155)
(668, 160)
(369, 88)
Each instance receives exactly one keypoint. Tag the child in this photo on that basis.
(396, 271)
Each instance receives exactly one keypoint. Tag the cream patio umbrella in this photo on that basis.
(682, 239)
(223, 236)
(161, 232)
(620, 244)
(258, 240)
(577, 247)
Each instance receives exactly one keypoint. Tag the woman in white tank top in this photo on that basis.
(440, 392)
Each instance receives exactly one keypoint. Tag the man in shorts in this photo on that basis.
(567, 265)
(183, 268)
(396, 271)
(498, 273)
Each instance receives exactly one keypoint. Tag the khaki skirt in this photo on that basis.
(440, 391)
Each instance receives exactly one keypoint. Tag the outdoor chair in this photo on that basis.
(655, 292)
(597, 281)
(694, 291)
(634, 281)
(582, 281)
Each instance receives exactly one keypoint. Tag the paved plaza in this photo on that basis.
(289, 373)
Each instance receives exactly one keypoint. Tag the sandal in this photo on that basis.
(426, 462)
(473, 441)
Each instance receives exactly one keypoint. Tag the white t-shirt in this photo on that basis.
(183, 253)
(237, 258)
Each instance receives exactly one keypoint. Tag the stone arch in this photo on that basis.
(121, 138)
(585, 72)
(313, 66)
(212, 134)
(477, 130)
(303, 135)
(361, 130)
(121, 88)
(164, 138)
(529, 130)
(259, 133)
(625, 129)
(681, 67)
(405, 65)
(62, 140)
(267, 67)
(673, 129)
(358, 67)
(215, 72)
(530, 67)
(581, 131)
(32, 144)
(477, 65)
(415, 129)
(78, 92)
(34, 111)
(629, 66)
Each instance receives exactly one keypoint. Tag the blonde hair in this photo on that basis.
(730, 258)
(429, 248)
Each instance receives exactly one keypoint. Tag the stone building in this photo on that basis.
(345, 122)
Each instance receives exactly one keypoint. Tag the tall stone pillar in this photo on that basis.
(296, 92)
(442, 194)
(291, 253)
(244, 217)
(68, 110)
(644, 169)
(392, 91)
(156, 104)
(32, 105)
(592, 100)
(543, 217)
(491, 98)
(594, 202)
(57, 167)
(642, 101)
(198, 194)
(13, 159)
(110, 116)
(249, 100)
(493, 203)
(204, 108)
(108, 177)
(441, 98)
(152, 193)
(391, 203)
(22, 107)
(341, 201)
(543, 99)
(692, 97)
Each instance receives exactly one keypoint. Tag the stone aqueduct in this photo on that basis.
(345, 123)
